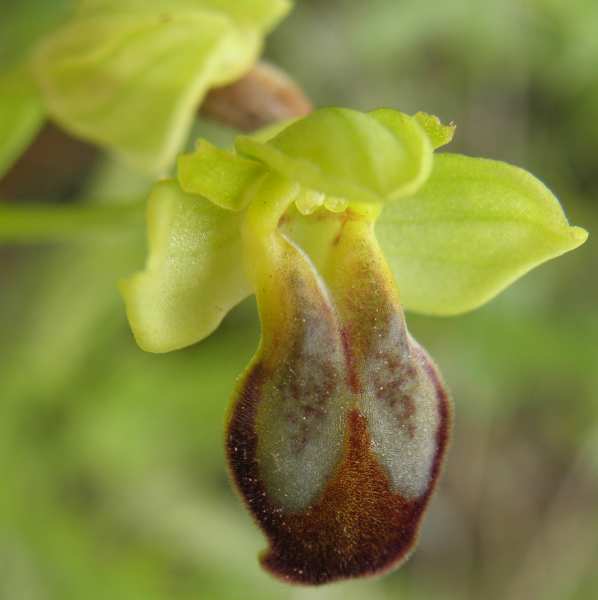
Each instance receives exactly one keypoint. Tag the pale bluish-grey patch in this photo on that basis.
(401, 406)
(301, 418)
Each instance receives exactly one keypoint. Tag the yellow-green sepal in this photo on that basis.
(359, 157)
(194, 273)
(476, 226)
(218, 175)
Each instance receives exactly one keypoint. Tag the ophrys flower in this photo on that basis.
(338, 428)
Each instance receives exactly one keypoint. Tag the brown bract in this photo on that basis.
(263, 96)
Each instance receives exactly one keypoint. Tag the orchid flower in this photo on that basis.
(338, 428)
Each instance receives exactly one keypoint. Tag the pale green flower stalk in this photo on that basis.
(338, 428)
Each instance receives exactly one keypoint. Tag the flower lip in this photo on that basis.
(306, 546)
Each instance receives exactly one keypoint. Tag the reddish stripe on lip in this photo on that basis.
(358, 526)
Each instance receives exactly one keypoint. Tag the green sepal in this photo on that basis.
(129, 75)
(361, 157)
(476, 226)
(439, 134)
(21, 115)
(194, 273)
(220, 176)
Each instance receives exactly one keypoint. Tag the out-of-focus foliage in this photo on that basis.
(21, 114)
(113, 478)
(23, 23)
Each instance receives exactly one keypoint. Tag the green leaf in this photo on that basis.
(130, 75)
(220, 176)
(360, 157)
(472, 229)
(194, 274)
(21, 115)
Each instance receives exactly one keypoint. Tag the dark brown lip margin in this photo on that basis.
(305, 548)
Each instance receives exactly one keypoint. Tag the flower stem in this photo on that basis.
(32, 223)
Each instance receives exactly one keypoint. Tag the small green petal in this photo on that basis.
(220, 176)
(129, 75)
(360, 157)
(476, 226)
(439, 134)
(194, 274)
(21, 115)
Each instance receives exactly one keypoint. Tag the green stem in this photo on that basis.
(32, 223)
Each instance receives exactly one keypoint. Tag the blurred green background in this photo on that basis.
(113, 480)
